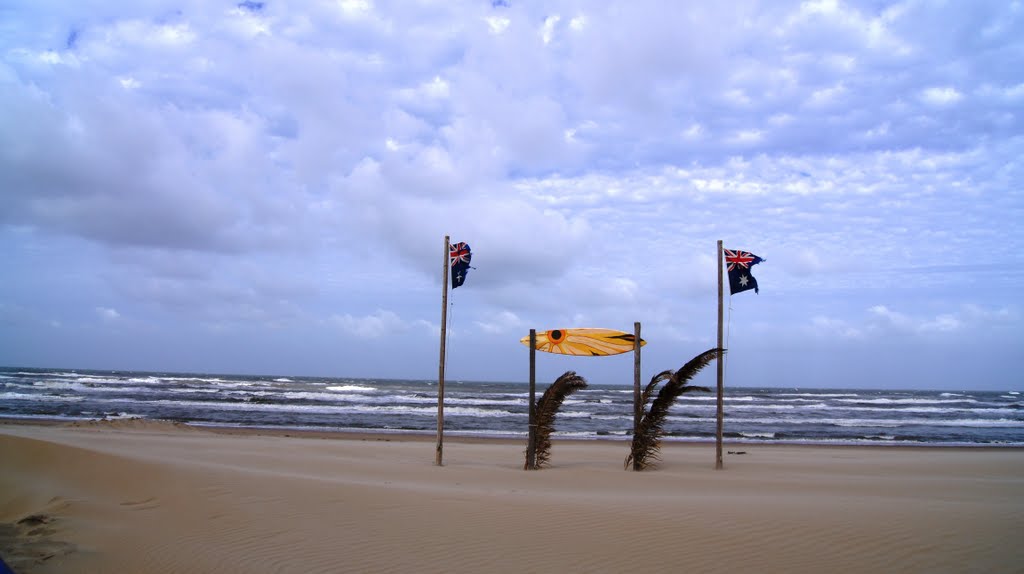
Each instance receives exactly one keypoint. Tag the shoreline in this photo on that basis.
(462, 436)
(144, 496)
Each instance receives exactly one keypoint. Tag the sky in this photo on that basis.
(265, 187)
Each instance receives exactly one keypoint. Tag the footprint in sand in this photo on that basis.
(147, 504)
(27, 543)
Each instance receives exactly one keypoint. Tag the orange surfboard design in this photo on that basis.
(584, 342)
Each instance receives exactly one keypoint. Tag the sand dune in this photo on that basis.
(154, 497)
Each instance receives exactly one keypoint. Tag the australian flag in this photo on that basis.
(458, 258)
(740, 278)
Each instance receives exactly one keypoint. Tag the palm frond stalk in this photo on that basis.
(547, 407)
(646, 447)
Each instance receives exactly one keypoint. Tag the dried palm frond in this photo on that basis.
(547, 408)
(646, 445)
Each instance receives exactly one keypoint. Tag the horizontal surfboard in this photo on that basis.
(584, 342)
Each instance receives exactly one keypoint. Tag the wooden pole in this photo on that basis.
(721, 372)
(439, 455)
(531, 445)
(637, 407)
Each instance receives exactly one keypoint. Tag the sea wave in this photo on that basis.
(500, 409)
(351, 389)
(817, 395)
(867, 423)
(904, 401)
(40, 397)
(314, 408)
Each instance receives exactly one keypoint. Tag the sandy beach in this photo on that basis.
(150, 497)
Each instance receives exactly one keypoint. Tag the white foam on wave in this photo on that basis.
(121, 416)
(87, 388)
(817, 395)
(932, 410)
(611, 417)
(905, 401)
(38, 397)
(690, 397)
(571, 415)
(226, 384)
(364, 398)
(96, 380)
(866, 423)
(146, 380)
(351, 389)
(773, 407)
(349, 409)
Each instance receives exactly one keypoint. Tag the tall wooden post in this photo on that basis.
(439, 455)
(721, 385)
(637, 407)
(531, 445)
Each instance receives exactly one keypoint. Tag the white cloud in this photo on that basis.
(500, 322)
(436, 88)
(745, 137)
(129, 83)
(970, 316)
(832, 327)
(497, 25)
(547, 30)
(108, 314)
(380, 324)
(941, 324)
(620, 289)
(941, 96)
(249, 24)
(695, 131)
(1008, 94)
(826, 97)
(355, 8)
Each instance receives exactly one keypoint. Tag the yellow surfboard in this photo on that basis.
(584, 342)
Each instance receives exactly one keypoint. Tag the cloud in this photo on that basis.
(590, 154)
(500, 323)
(969, 317)
(380, 324)
(833, 327)
(107, 314)
(941, 96)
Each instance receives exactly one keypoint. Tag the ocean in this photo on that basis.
(752, 415)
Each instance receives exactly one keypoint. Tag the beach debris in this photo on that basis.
(547, 407)
(646, 446)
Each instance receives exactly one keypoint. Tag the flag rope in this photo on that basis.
(448, 332)
(728, 330)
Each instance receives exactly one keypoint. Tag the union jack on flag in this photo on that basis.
(740, 263)
(459, 257)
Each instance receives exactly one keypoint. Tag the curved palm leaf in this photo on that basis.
(646, 447)
(547, 408)
(652, 386)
